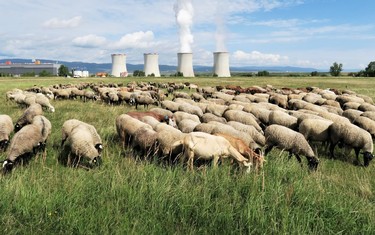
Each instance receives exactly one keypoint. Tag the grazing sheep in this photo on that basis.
(254, 157)
(28, 115)
(192, 109)
(366, 107)
(200, 145)
(334, 117)
(6, 127)
(208, 117)
(197, 97)
(352, 114)
(179, 116)
(170, 105)
(90, 95)
(315, 130)
(342, 99)
(284, 119)
(83, 145)
(351, 105)
(150, 121)
(366, 98)
(351, 136)
(70, 124)
(23, 145)
(145, 101)
(170, 120)
(216, 109)
(261, 113)
(205, 127)
(369, 114)
(250, 130)
(292, 141)
(178, 94)
(366, 124)
(187, 125)
(243, 117)
(162, 111)
(166, 137)
(45, 126)
(126, 126)
(279, 99)
(146, 139)
(44, 102)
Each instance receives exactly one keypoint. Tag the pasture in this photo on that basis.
(130, 195)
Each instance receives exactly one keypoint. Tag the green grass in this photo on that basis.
(131, 196)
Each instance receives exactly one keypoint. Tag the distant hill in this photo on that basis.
(106, 67)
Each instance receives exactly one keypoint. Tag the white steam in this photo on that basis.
(184, 16)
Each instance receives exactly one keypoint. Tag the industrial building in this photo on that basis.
(151, 64)
(221, 64)
(28, 68)
(185, 64)
(119, 65)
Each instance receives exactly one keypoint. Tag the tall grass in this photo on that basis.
(127, 195)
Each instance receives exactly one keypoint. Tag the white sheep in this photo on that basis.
(207, 117)
(126, 127)
(6, 128)
(187, 125)
(284, 119)
(44, 102)
(70, 124)
(292, 141)
(28, 115)
(352, 114)
(243, 117)
(250, 130)
(351, 136)
(200, 145)
(179, 116)
(366, 124)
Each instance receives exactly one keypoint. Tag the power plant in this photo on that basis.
(185, 64)
(119, 65)
(221, 64)
(151, 64)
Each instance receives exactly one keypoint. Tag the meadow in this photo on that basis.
(126, 195)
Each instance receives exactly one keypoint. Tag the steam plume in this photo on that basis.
(184, 16)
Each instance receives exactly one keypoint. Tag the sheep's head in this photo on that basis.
(17, 127)
(367, 157)
(248, 165)
(313, 163)
(7, 166)
(170, 120)
(4, 144)
(97, 161)
(99, 147)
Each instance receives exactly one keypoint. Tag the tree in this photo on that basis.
(63, 71)
(138, 73)
(263, 73)
(370, 70)
(314, 73)
(335, 69)
(44, 73)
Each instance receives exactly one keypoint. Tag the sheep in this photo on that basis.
(292, 141)
(28, 115)
(200, 145)
(223, 96)
(342, 99)
(179, 116)
(145, 101)
(82, 144)
(284, 119)
(332, 109)
(178, 94)
(153, 122)
(279, 99)
(255, 157)
(250, 130)
(126, 126)
(170, 105)
(22, 146)
(351, 136)
(70, 124)
(146, 139)
(205, 127)
(45, 126)
(352, 114)
(351, 105)
(61, 94)
(192, 109)
(369, 114)
(366, 107)
(187, 125)
(333, 103)
(207, 117)
(162, 111)
(216, 109)
(236, 107)
(366, 98)
(196, 96)
(44, 102)
(366, 124)
(90, 95)
(166, 137)
(334, 117)
(260, 113)
(170, 120)
(315, 130)
(243, 117)
(6, 128)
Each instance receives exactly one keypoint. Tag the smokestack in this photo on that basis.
(185, 64)
(119, 65)
(151, 64)
(221, 64)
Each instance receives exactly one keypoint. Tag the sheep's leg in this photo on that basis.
(215, 161)
(190, 155)
(268, 149)
(298, 159)
(356, 150)
(331, 148)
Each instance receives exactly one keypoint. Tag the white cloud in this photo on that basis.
(56, 23)
(90, 40)
(139, 39)
(257, 58)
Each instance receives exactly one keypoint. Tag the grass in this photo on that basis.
(131, 196)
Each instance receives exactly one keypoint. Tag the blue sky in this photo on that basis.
(304, 33)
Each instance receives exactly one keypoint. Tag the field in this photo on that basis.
(131, 196)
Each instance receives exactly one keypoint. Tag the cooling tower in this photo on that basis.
(119, 65)
(151, 64)
(221, 64)
(185, 64)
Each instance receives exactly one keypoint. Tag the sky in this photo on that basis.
(302, 33)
